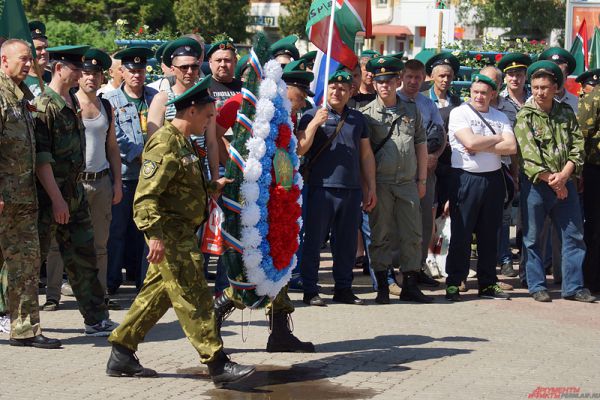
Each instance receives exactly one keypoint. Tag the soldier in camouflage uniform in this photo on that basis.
(170, 203)
(551, 154)
(64, 211)
(18, 214)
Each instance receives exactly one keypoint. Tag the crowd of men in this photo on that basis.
(96, 178)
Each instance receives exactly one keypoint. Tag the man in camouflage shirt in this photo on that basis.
(589, 121)
(551, 153)
(18, 203)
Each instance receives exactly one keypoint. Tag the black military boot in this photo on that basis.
(383, 290)
(410, 289)
(224, 371)
(281, 339)
(223, 309)
(123, 362)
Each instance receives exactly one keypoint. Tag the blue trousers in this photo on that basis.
(337, 210)
(475, 208)
(537, 202)
(125, 246)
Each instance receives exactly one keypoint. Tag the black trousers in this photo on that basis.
(591, 227)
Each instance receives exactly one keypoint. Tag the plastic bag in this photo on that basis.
(441, 243)
(212, 240)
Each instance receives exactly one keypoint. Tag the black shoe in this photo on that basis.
(223, 309)
(313, 300)
(453, 294)
(123, 362)
(507, 270)
(39, 342)
(281, 339)
(346, 296)
(112, 305)
(582, 295)
(411, 291)
(542, 296)
(383, 289)
(223, 371)
(425, 280)
(50, 305)
(493, 292)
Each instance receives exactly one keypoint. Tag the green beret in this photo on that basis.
(71, 54)
(591, 77)
(222, 45)
(38, 30)
(295, 74)
(285, 46)
(340, 77)
(560, 56)
(549, 67)
(370, 54)
(442, 59)
(134, 57)
(384, 68)
(184, 46)
(159, 52)
(96, 60)
(197, 94)
(484, 79)
(241, 66)
(514, 60)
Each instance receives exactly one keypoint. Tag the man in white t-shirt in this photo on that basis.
(477, 187)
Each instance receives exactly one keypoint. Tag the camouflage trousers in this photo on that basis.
(280, 304)
(76, 245)
(178, 281)
(21, 252)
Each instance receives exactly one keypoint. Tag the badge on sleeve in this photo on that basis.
(149, 168)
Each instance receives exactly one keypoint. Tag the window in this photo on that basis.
(382, 3)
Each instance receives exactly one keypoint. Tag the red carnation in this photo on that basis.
(478, 57)
(498, 57)
(141, 30)
(284, 212)
(534, 41)
(283, 139)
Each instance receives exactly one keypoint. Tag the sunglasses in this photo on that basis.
(193, 67)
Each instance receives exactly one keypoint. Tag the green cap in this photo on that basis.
(384, 68)
(591, 77)
(399, 56)
(559, 55)
(96, 60)
(340, 77)
(71, 54)
(197, 94)
(370, 54)
(310, 56)
(295, 74)
(222, 45)
(184, 46)
(442, 59)
(134, 57)
(241, 66)
(425, 54)
(159, 52)
(285, 46)
(551, 68)
(38, 30)
(514, 60)
(484, 79)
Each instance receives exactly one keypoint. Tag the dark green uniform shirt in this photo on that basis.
(589, 121)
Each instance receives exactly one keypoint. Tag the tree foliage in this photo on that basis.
(295, 21)
(212, 17)
(66, 32)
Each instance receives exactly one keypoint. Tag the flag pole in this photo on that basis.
(328, 55)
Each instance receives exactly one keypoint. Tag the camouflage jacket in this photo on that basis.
(17, 143)
(172, 190)
(589, 121)
(60, 140)
(396, 161)
(547, 141)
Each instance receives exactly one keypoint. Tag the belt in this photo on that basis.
(92, 176)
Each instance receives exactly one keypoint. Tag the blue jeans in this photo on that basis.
(538, 201)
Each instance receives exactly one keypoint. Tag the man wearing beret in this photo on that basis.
(335, 142)
(551, 150)
(40, 43)
(130, 104)
(64, 211)
(479, 135)
(398, 141)
(170, 203)
(222, 60)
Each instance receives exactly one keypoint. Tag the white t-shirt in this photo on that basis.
(463, 117)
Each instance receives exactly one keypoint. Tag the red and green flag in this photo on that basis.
(579, 49)
(350, 17)
(594, 59)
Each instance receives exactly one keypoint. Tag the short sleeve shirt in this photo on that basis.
(339, 165)
(222, 91)
(463, 117)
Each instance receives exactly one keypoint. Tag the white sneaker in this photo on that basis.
(4, 324)
(66, 289)
(101, 329)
